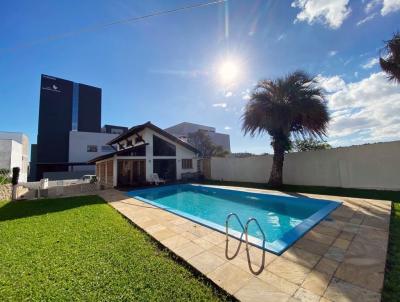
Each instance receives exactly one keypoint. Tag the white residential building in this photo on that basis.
(142, 151)
(14, 148)
(183, 130)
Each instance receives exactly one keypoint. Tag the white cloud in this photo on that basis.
(227, 128)
(366, 19)
(368, 110)
(390, 6)
(220, 105)
(281, 37)
(387, 6)
(332, 53)
(331, 13)
(370, 63)
(371, 5)
(331, 84)
(228, 94)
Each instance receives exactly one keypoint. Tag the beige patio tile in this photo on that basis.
(175, 242)
(335, 253)
(346, 236)
(304, 295)
(289, 270)
(301, 256)
(351, 228)
(372, 236)
(361, 251)
(206, 262)
(199, 230)
(312, 246)
(230, 277)
(316, 282)
(377, 222)
(217, 250)
(189, 250)
(341, 291)
(330, 231)
(215, 237)
(319, 237)
(326, 265)
(369, 276)
(280, 283)
(257, 256)
(205, 244)
(257, 290)
(163, 234)
(155, 228)
(341, 243)
(189, 235)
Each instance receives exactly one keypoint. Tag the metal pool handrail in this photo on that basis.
(246, 232)
(227, 221)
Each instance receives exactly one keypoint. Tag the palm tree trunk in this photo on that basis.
(275, 179)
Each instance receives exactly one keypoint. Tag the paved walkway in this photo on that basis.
(341, 259)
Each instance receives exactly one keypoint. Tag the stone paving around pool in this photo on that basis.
(341, 259)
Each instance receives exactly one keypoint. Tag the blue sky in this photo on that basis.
(166, 69)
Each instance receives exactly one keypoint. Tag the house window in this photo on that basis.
(162, 147)
(91, 148)
(187, 164)
(107, 149)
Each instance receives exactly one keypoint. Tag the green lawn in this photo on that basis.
(391, 291)
(82, 249)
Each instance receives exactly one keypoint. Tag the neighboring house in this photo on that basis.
(141, 151)
(183, 130)
(14, 153)
(69, 130)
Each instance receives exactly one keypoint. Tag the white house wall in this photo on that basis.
(181, 153)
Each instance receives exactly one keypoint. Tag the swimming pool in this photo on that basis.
(283, 219)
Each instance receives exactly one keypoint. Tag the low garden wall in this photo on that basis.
(372, 166)
(5, 192)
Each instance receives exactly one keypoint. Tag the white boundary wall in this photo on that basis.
(373, 166)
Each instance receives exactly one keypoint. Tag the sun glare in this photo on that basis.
(228, 71)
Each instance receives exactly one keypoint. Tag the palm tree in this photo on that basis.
(292, 105)
(391, 62)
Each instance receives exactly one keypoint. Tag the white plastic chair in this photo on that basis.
(157, 179)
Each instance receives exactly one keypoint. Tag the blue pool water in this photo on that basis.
(283, 219)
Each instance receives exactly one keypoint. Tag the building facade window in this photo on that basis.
(107, 149)
(162, 147)
(91, 148)
(187, 164)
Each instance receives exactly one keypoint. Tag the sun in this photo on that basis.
(228, 71)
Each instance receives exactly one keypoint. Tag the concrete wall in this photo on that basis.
(374, 166)
(11, 155)
(78, 142)
(18, 152)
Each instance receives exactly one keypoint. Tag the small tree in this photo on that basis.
(202, 142)
(309, 144)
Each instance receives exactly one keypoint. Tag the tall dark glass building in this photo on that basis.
(64, 106)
